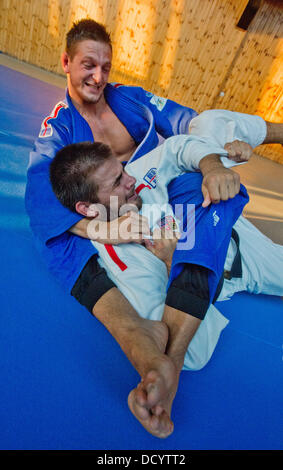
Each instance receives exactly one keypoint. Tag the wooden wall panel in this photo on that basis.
(187, 50)
(255, 82)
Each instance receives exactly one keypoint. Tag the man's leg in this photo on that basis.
(152, 400)
(143, 342)
(191, 288)
(262, 263)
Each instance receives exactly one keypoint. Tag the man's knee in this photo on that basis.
(189, 292)
(92, 284)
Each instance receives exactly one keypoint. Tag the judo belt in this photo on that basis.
(236, 268)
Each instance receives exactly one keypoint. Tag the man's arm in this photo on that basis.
(274, 133)
(163, 244)
(114, 231)
(234, 133)
(48, 217)
(219, 183)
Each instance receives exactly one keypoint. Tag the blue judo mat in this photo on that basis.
(64, 380)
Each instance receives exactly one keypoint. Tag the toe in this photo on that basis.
(139, 411)
(157, 410)
(155, 391)
(165, 425)
(160, 426)
(141, 396)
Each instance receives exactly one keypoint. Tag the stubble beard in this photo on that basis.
(134, 206)
(84, 97)
(90, 99)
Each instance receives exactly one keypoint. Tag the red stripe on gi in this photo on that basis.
(51, 117)
(140, 187)
(113, 255)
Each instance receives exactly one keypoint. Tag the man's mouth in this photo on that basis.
(133, 197)
(93, 86)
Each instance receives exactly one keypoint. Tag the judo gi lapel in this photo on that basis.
(136, 117)
(81, 130)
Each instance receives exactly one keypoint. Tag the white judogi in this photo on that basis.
(142, 277)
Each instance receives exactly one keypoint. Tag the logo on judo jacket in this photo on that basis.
(215, 218)
(150, 177)
(168, 222)
(158, 101)
(46, 128)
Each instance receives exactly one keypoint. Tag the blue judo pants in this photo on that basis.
(206, 232)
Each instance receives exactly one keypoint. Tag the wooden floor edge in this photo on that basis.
(32, 71)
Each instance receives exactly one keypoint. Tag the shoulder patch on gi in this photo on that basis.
(168, 222)
(116, 85)
(150, 177)
(158, 101)
(46, 129)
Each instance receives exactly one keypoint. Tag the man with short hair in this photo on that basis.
(132, 122)
(128, 119)
(142, 277)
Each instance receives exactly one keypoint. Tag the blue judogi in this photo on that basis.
(210, 228)
(148, 119)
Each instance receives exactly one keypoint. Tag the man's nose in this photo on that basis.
(131, 181)
(97, 75)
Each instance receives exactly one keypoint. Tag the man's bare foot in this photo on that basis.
(145, 348)
(149, 340)
(152, 400)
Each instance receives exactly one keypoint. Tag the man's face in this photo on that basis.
(88, 71)
(114, 182)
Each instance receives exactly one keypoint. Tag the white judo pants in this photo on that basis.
(262, 263)
(262, 266)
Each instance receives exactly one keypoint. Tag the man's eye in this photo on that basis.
(118, 181)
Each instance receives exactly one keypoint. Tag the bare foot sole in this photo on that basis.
(160, 426)
(152, 400)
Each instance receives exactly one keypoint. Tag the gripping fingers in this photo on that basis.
(229, 186)
(239, 151)
(211, 190)
(139, 225)
(132, 227)
(220, 186)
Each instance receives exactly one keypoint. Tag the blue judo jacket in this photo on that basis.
(149, 120)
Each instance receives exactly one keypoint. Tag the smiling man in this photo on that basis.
(132, 122)
(87, 176)
(128, 119)
(87, 63)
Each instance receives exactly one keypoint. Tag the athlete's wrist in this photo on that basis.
(97, 230)
(209, 163)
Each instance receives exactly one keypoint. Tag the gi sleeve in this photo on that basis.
(48, 217)
(210, 131)
(180, 154)
(222, 126)
(170, 117)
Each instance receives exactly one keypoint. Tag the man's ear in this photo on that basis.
(87, 209)
(65, 59)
